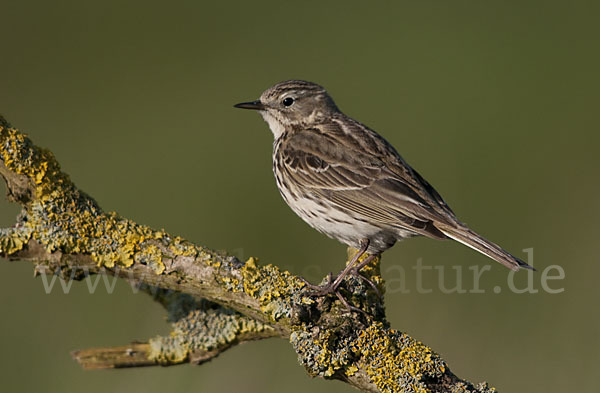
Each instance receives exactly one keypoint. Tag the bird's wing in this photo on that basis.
(361, 172)
(358, 172)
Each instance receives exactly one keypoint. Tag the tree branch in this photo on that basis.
(214, 300)
(134, 355)
(202, 330)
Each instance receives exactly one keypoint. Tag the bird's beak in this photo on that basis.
(256, 105)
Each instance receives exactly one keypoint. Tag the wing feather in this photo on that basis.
(366, 177)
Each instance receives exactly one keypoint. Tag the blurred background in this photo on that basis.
(495, 103)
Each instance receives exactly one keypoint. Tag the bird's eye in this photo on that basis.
(288, 101)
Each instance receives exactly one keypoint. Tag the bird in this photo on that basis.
(349, 183)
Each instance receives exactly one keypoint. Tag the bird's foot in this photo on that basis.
(349, 307)
(331, 288)
(320, 290)
(333, 284)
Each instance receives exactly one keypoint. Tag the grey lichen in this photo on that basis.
(204, 330)
(322, 352)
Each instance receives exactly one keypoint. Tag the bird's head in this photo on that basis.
(291, 104)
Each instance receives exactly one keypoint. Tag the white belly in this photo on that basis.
(342, 226)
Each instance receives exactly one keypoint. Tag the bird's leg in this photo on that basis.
(364, 263)
(364, 244)
(371, 283)
(356, 273)
(349, 307)
(332, 286)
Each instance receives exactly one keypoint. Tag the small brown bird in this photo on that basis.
(349, 183)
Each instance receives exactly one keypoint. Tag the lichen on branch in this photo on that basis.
(214, 301)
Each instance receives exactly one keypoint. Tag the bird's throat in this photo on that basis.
(277, 128)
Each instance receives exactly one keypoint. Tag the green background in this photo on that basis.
(495, 103)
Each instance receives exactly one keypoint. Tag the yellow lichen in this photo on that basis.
(20, 156)
(351, 370)
(11, 243)
(394, 361)
(152, 256)
(179, 246)
(209, 258)
(62, 218)
(274, 289)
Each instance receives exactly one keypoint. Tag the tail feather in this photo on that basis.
(476, 242)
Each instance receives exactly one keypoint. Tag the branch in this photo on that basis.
(213, 300)
(201, 331)
(134, 355)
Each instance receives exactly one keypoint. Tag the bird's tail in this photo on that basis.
(471, 239)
